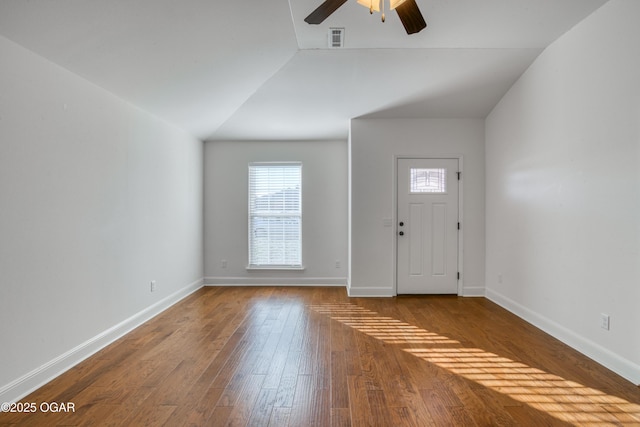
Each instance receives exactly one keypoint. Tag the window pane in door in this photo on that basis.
(428, 180)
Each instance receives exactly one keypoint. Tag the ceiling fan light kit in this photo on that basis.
(407, 11)
(374, 5)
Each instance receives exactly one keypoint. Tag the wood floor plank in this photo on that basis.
(219, 416)
(199, 412)
(279, 417)
(281, 357)
(379, 407)
(287, 386)
(300, 356)
(322, 368)
(340, 417)
(154, 415)
(237, 382)
(245, 404)
(301, 408)
(339, 384)
(353, 366)
(309, 344)
(359, 401)
(261, 414)
(133, 405)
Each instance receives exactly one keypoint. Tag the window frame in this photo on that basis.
(251, 265)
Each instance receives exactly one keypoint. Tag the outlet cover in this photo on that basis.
(605, 321)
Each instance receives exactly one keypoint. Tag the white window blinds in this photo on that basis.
(275, 215)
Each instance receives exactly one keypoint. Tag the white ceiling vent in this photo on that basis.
(336, 37)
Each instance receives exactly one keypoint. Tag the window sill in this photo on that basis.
(275, 268)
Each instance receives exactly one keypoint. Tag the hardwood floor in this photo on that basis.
(289, 356)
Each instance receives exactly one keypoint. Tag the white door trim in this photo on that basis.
(459, 157)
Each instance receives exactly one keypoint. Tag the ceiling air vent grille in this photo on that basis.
(336, 37)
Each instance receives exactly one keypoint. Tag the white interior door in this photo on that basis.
(427, 228)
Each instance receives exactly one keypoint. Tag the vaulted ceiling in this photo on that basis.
(253, 69)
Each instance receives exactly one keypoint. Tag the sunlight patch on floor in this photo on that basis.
(563, 399)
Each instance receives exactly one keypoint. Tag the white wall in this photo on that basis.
(563, 189)
(97, 198)
(324, 210)
(373, 144)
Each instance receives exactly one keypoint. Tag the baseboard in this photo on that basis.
(477, 291)
(371, 292)
(272, 281)
(621, 366)
(35, 379)
(473, 291)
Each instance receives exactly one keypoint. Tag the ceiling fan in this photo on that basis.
(407, 10)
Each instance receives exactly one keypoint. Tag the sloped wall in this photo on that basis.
(563, 190)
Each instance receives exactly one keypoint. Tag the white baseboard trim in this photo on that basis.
(275, 281)
(371, 292)
(21, 387)
(477, 291)
(473, 291)
(621, 366)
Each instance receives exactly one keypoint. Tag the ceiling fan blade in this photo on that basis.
(323, 11)
(411, 17)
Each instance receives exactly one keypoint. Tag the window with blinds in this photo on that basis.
(275, 215)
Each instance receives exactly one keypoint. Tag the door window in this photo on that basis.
(428, 180)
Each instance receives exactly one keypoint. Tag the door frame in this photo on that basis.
(397, 157)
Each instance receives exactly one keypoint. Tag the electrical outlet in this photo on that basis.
(153, 286)
(500, 278)
(223, 263)
(605, 321)
(338, 264)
